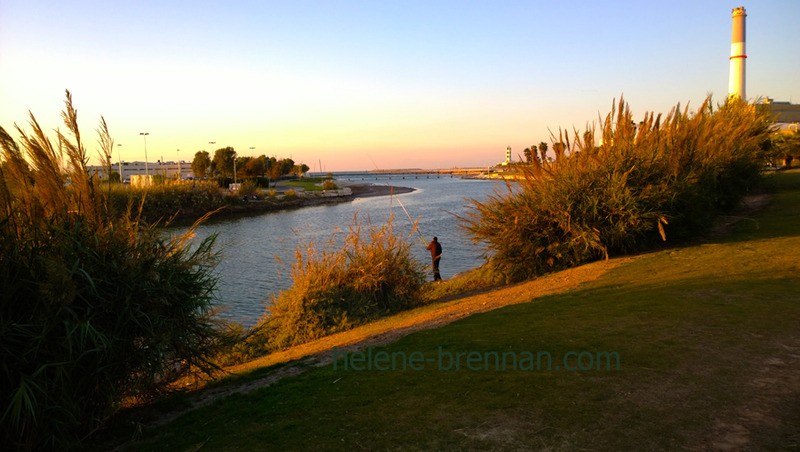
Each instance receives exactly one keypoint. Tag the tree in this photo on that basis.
(254, 166)
(201, 164)
(241, 163)
(543, 151)
(264, 163)
(301, 169)
(286, 166)
(274, 170)
(223, 161)
(528, 154)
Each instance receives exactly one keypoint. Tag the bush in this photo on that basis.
(161, 202)
(248, 188)
(644, 182)
(337, 289)
(95, 309)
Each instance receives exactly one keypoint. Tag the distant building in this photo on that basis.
(787, 115)
(507, 161)
(128, 169)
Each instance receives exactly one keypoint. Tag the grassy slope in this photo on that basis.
(708, 340)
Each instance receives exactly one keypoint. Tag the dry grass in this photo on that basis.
(370, 275)
(95, 306)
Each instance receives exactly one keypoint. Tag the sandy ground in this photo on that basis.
(364, 190)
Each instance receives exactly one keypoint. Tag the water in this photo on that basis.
(257, 251)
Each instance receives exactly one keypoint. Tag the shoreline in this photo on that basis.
(359, 190)
(367, 190)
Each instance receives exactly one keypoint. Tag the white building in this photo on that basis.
(507, 161)
(128, 169)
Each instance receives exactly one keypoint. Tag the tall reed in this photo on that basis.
(370, 275)
(96, 307)
(161, 201)
(659, 179)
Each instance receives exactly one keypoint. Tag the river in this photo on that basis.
(257, 251)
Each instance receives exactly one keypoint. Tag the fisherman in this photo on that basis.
(436, 254)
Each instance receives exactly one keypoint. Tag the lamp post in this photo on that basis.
(119, 159)
(144, 135)
(235, 159)
(178, 159)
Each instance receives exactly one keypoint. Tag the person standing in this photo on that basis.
(436, 254)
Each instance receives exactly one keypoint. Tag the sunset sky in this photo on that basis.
(359, 85)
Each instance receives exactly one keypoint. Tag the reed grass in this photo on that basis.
(334, 288)
(661, 179)
(96, 306)
(162, 201)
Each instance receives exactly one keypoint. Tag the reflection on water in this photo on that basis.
(256, 252)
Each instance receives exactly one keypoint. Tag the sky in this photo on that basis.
(359, 85)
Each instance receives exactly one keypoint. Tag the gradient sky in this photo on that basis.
(360, 85)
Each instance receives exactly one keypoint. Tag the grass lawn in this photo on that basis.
(307, 183)
(707, 339)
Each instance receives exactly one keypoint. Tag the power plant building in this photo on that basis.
(787, 115)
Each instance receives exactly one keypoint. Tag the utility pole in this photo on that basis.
(144, 135)
(119, 159)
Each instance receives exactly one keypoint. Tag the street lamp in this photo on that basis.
(144, 134)
(119, 158)
(178, 157)
(235, 159)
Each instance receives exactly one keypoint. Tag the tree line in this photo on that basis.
(226, 163)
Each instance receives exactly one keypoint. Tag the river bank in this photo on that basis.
(257, 249)
(362, 190)
(300, 199)
(678, 323)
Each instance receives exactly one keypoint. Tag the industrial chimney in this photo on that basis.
(738, 55)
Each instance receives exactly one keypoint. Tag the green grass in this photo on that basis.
(701, 332)
(307, 183)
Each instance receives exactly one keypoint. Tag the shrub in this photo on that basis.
(329, 185)
(370, 276)
(785, 148)
(643, 182)
(248, 188)
(161, 202)
(94, 308)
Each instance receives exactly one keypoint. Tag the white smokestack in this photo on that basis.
(738, 55)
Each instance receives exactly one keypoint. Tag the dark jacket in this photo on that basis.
(435, 248)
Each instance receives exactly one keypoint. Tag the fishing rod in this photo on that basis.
(414, 226)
